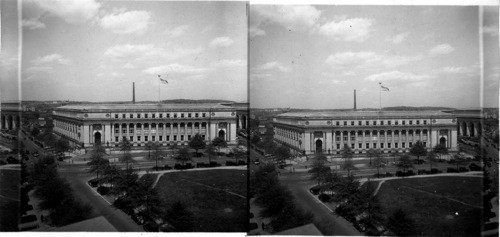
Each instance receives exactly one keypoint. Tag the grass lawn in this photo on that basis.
(214, 210)
(9, 193)
(430, 200)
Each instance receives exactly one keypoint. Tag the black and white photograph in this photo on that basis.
(244, 118)
(374, 120)
(124, 116)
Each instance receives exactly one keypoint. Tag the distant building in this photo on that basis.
(388, 131)
(108, 124)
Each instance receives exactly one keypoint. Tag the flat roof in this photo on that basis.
(142, 107)
(364, 114)
(309, 229)
(98, 224)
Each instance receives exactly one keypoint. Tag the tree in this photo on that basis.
(211, 151)
(35, 132)
(98, 165)
(405, 163)
(372, 153)
(219, 143)
(283, 153)
(149, 147)
(125, 147)
(440, 149)
(377, 161)
(255, 138)
(239, 154)
(319, 170)
(431, 157)
(458, 159)
(400, 223)
(347, 155)
(183, 156)
(156, 148)
(197, 143)
(418, 149)
(62, 145)
(180, 217)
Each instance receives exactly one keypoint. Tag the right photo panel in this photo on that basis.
(373, 120)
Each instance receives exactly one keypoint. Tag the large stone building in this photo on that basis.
(389, 131)
(108, 124)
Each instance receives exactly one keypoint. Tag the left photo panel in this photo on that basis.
(123, 116)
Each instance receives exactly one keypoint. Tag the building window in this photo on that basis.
(338, 146)
(138, 115)
(138, 138)
(145, 138)
(131, 138)
(153, 116)
(123, 138)
(182, 115)
(360, 123)
(374, 145)
(396, 122)
(175, 115)
(131, 130)
(189, 137)
(410, 144)
(123, 115)
(403, 145)
(203, 137)
(160, 138)
(116, 115)
(425, 121)
(182, 137)
(388, 145)
(381, 145)
(381, 122)
(161, 115)
(203, 115)
(411, 122)
(418, 121)
(153, 138)
(124, 130)
(360, 145)
(352, 146)
(367, 123)
(168, 138)
(196, 115)
(425, 144)
(168, 115)
(117, 130)
(352, 123)
(145, 115)
(367, 145)
(175, 137)
(337, 123)
(374, 122)
(396, 145)
(116, 139)
(389, 122)
(189, 115)
(345, 123)
(404, 122)
(132, 116)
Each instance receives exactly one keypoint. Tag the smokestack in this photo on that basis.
(133, 92)
(354, 99)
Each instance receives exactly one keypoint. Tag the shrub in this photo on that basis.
(230, 154)
(201, 165)
(388, 174)
(314, 190)
(410, 173)
(230, 163)
(166, 167)
(102, 190)
(324, 197)
(474, 167)
(462, 169)
(214, 164)
(94, 182)
(399, 173)
(422, 171)
(240, 162)
(451, 170)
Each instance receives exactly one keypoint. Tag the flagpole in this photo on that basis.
(380, 98)
(159, 81)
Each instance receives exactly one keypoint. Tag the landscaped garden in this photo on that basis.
(450, 206)
(9, 199)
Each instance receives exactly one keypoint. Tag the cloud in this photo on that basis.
(290, 17)
(367, 59)
(221, 42)
(126, 22)
(398, 38)
(33, 24)
(147, 52)
(441, 49)
(255, 31)
(458, 70)
(491, 30)
(176, 69)
(229, 63)
(177, 31)
(51, 59)
(129, 66)
(396, 76)
(271, 66)
(353, 29)
(71, 11)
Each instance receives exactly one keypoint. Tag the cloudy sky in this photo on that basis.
(315, 56)
(94, 50)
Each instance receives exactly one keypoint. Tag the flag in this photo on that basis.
(383, 88)
(162, 80)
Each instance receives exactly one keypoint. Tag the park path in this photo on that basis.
(477, 174)
(161, 173)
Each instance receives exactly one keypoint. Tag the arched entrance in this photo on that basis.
(442, 141)
(319, 146)
(222, 134)
(97, 138)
